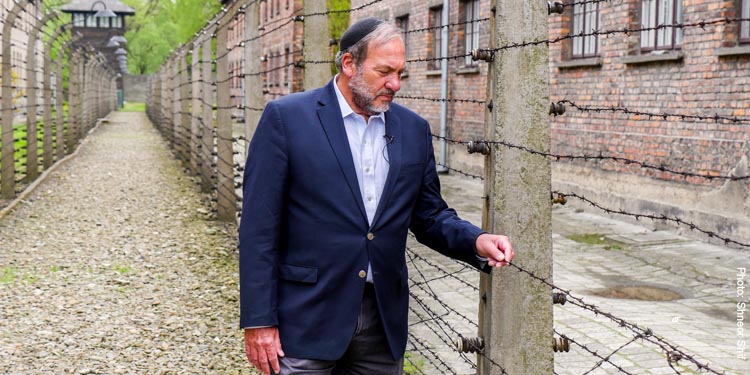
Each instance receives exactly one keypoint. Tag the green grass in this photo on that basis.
(413, 364)
(8, 275)
(133, 107)
(20, 142)
(122, 269)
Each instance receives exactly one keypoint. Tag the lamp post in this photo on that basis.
(103, 13)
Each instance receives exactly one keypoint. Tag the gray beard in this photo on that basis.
(363, 99)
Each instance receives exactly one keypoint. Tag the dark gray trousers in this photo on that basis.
(368, 352)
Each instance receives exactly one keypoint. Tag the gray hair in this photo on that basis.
(384, 33)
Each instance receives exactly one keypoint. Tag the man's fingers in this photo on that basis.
(273, 359)
(262, 364)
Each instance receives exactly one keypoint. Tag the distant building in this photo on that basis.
(691, 71)
(99, 31)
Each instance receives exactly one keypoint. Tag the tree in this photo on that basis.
(159, 26)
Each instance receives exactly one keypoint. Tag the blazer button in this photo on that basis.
(362, 274)
(370, 236)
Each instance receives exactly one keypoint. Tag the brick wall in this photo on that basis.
(708, 74)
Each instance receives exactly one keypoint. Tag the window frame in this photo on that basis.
(402, 22)
(584, 51)
(744, 26)
(436, 25)
(676, 37)
(471, 30)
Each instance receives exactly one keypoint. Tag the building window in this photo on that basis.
(436, 21)
(661, 12)
(78, 19)
(117, 22)
(586, 20)
(403, 23)
(90, 20)
(745, 25)
(471, 30)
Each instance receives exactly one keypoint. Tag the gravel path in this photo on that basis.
(112, 266)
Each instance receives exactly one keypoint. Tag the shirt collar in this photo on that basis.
(346, 109)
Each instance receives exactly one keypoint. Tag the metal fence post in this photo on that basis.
(224, 162)
(8, 174)
(316, 45)
(518, 321)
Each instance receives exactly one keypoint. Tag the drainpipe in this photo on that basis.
(443, 85)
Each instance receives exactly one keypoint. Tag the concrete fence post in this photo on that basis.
(517, 321)
(195, 107)
(175, 104)
(165, 102)
(74, 99)
(316, 45)
(32, 147)
(253, 78)
(8, 173)
(48, 155)
(224, 145)
(207, 125)
(185, 133)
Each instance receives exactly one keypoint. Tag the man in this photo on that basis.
(335, 177)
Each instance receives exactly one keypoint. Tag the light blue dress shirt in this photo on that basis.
(368, 143)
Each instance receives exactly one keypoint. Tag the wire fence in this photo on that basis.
(45, 112)
(206, 99)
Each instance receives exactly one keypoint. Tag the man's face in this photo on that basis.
(378, 77)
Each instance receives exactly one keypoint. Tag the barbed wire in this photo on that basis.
(657, 115)
(662, 217)
(625, 30)
(449, 25)
(451, 100)
(618, 159)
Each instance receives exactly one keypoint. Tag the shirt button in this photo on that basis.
(369, 199)
(362, 274)
(370, 236)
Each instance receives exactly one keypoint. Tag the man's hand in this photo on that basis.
(497, 249)
(263, 346)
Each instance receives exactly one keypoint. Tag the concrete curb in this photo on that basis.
(30, 189)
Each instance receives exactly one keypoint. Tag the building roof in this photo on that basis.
(76, 6)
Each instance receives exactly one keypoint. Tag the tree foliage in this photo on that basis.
(161, 25)
(337, 23)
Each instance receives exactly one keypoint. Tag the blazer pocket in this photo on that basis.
(299, 274)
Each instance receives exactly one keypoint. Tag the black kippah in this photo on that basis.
(359, 30)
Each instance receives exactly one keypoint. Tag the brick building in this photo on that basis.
(690, 71)
(421, 21)
(281, 47)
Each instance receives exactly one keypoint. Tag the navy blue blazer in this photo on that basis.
(304, 237)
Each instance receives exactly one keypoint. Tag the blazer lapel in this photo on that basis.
(395, 149)
(329, 115)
